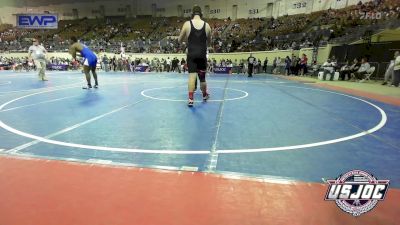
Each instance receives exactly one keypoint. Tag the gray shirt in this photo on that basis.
(364, 67)
(37, 52)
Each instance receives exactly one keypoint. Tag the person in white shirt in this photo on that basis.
(329, 68)
(255, 66)
(363, 69)
(168, 64)
(38, 54)
(396, 69)
(389, 74)
(278, 65)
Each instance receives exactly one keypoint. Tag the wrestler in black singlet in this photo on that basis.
(197, 49)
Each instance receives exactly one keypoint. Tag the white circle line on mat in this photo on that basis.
(245, 94)
(231, 151)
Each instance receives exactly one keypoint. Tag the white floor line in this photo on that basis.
(23, 106)
(38, 89)
(212, 166)
(5, 83)
(21, 147)
(61, 87)
(259, 178)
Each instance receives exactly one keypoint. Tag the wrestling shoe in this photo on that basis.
(206, 97)
(190, 103)
(87, 87)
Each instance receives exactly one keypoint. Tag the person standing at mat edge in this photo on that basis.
(38, 54)
(396, 69)
(198, 35)
(250, 67)
(89, 61)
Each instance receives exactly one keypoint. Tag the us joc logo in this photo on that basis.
(356, 192)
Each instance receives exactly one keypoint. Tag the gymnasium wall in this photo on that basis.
(323, 54)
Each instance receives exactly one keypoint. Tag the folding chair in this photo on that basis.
(369, 73)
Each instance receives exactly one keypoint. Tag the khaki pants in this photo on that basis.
(396, 78)
(389, 74)
(41, 66)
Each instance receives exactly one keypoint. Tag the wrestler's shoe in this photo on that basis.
(87, 87)
(190, 102)
(206, 97)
